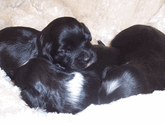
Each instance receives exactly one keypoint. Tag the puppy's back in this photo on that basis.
(42, 85)
(139, 37)
(141, 64)
(145, 46)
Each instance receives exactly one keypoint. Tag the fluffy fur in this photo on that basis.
(140, 67)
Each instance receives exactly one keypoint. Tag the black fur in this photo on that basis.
(17, 45)
(93, 74)
(65, 46)
(105, 56)
(65, 42)
(46, 86)
(39, 79)
(140, 67)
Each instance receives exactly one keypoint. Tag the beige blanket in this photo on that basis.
(104, 18)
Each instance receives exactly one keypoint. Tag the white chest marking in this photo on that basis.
(75, 88)
(111, 86)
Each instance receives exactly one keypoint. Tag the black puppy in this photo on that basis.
(140, 67)
(17, 45)
(105, 56)
(50, 87)
(46, 86)
(66, 42)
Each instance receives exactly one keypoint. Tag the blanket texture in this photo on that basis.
(104, 18)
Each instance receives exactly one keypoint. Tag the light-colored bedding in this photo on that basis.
(104, 18)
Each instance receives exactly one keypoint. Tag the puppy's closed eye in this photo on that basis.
(66, 37)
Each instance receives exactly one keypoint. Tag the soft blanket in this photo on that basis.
(104, 18)
(140, 109)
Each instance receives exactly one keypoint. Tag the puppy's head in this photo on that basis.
(66, 42)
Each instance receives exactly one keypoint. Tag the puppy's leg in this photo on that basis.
(122, 82)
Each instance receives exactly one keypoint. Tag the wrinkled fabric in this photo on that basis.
(104, 18)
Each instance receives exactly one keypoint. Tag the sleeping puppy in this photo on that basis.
(140, 67)
(17, 45)
(45, 85)
(50, 87)
(105, 56)
(66, 43)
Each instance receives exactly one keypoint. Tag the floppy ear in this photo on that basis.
(87, 32)
(45, 44)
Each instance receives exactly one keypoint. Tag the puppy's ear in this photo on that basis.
(45, 44)
(87, 32)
